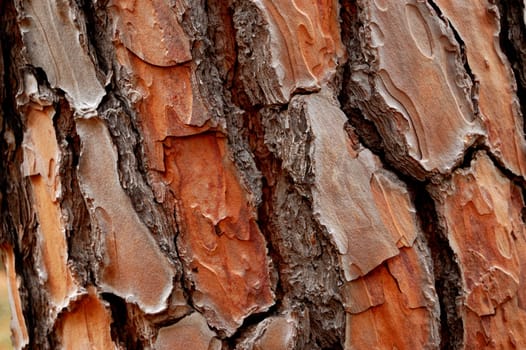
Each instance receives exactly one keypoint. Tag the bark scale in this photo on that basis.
(264, 174)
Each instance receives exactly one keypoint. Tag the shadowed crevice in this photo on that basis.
(464, 57)
(18, 223)
(298, 248)
(248, 323)
(259, 166)
(448, 282)
(122, 329)
(512, 38)
(445, 267)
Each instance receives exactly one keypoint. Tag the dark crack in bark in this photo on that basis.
(446, 270)
(77, 226)
(512, 40)
(18, 217)
(467, 68)
(445, 267)
(122, 329)
(300, 250)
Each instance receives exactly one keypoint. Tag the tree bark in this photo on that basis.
(264, 174)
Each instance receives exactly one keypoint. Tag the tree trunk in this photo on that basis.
(264, 174)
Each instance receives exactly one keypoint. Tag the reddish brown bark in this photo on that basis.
(260, 174)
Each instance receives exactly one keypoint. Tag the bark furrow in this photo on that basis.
(264, 174)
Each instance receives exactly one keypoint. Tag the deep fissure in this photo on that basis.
(511, 37)
(267, 209)
(14, 195)
(463, 55)
(125, 329)
(445, 268)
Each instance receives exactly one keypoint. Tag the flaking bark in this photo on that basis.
(263, 174)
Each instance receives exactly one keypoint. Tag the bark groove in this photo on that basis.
(263, 174)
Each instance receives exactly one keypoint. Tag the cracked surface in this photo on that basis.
(407, 38)
(64, 56)
(146, 281)
(41, 162)
(297, 48)
(384, 306)
(481, 212)
(497, 87)
(260, 174)
(86, 324)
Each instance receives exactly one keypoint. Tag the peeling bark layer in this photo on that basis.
(424, 131)
(481, 210)
(261, 174)
(220, 244)
(497, 99)
(41, 161)
(65, 56)
(86, 325)
(19, 334)
(146, 281)
(286, 47)
(384, 307)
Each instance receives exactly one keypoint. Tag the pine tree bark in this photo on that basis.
(262, 174)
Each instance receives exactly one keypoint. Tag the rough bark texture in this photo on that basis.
(263, 174)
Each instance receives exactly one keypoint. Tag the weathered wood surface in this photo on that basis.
(263, 174)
